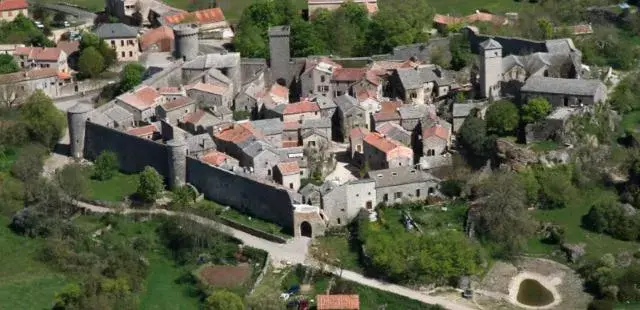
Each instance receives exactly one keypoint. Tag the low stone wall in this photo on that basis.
(250, 230)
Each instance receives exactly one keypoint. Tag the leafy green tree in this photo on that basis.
(151, 185)
(91, 62)
(535, 109)
(131, 76)
(7, 64)
(108, 54)
(473, 137)
(460, 49)
(182, 197)
(68, 297)
(106, 166)
(45, 123)
(305, 40)
(502, 118)
(546, 28)
(73, 180)
(556, 188)
(389, 29)
(89, 39)
(224, 300)
(28, 165)
(249, 41)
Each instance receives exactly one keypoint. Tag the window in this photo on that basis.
(291, 185)
(123, 54)
(369, 205)
(413, 95)
(312, 143)
(301, 173)
(397, 195)
(269, 172)
(325, 88)
(130, 54)
(338, 221)
(431, 191)
(418, 192)
(359, 148)
(121, 42)
(322, 78)
(431, 152)
(385, 198)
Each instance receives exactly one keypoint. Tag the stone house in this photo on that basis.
(296, 112)
(356, 144)
(149, 132)
(323, 126)
(159, 39)
(436, 140)
(316, 78)
(277, 95)
(343, 203)
(389, 113)
(174, 110)
(462, 110)
(343, 79)
(115, 116)
(316, 140)
(218, 159)
(20, 84)
(245, 143)
(555, 126)
(327, 106)
(395, 132)
(261, 157)
(401, 184)
(412, 115)
(172, 93)
(371, 84)
(210, 95)
(349, 115)
(41, 57)
(122, 38)
(211, 22)
(564, 92)
(271, 129)
(141, 102)
(205, 121)
(383, 153)
(420, 85)
(288, 175)
(9, 9)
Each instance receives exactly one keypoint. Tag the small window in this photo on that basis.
(291, 185)
(123, 54)
(130, 54)
(322, 78)
(385, 198)
(397, 195)
(338, 221)
(121, 42)
(418, 192)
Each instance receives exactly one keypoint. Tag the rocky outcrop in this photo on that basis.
(574, 251)
(513, 156)
(553, 158)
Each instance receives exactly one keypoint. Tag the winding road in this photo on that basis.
(294, 251)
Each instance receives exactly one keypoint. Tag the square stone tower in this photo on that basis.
(490, 68)
(279, 53)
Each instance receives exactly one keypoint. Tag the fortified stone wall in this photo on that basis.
(510, 46)
(134, 153)
(244, 194)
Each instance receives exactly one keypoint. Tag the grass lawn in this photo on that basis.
(342, 249)
(466, 7)
(631, 121)
(254, 222)
(570, 219)
(163, 287)
(544, 146)
(120, 186)
(25, 283)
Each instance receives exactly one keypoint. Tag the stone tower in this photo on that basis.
(77, 116)
(279, 53)
(490, 68)
(186, 41)
(177, 161)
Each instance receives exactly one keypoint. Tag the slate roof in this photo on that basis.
(346, 103)
(400, 176)
(561, 46)
(203, 62)
(324, 102)
(463, 109)
(178, 103)
(200, 143)
(257, 147)
(577, 87)
(312, 132)
(116, 30)
(116, 113)
(269, 126)
(393, 131)
(410, 111)
(315, 123)
(490, 44)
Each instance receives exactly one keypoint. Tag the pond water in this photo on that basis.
(532, 293)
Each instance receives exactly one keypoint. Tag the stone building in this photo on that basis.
(565, 92)
(348, 115)
(218, 159)
(41, 57)
(211, 95)
(211, 22)
(402, 184)
(553, 127)
(343, 203)
(287, 174)
(9, 9)
(159, 39)
(299, 111)
(316, 78)
(356, 144)
(280, 54)
(383, 153)
(343, 80)
(122, 38)
(141, 102)
(395, 132)
(422, 84)
(221, 69)
(490, 68)
(17, 85)
(174, 110)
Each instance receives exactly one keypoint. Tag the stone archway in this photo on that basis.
(305, 229)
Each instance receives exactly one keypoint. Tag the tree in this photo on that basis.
(503, 219)
(131, 76)
(28, 166)
(69, 296)
(151, 185)
(45, 123)
(460, 49)
(7, 64)
(91, 62)
(473, 136)
(249, 41)
(105, 166)
(546, 28)
(502, 118)
(535, 109)
(182, 197)
(365, 169)
(73, 180)
(224, 300)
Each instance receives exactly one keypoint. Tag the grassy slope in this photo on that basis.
(163, 291)
(466, 7)
(25, 283)
(570, 219)
(116, 189)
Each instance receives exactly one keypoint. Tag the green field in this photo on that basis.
(163, 289)
(466, 7)
(116, 189)
(25, 283)
(570, 219)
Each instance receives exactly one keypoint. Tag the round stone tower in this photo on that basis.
(77, 116)
(186, 40)
(177, 161)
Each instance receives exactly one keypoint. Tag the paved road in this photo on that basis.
(294, 251)
(71, 10)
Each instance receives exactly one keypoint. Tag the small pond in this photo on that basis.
(532, 293)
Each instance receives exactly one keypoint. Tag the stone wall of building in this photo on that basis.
(239, 192)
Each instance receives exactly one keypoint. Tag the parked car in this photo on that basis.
(66, 24)
(294, 289)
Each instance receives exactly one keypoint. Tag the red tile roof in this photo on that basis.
(39, 53)
(178, 103)
(301, 107)
(388, 111)
(237, 133)
(30, 75)
(348, 74)
(142, 98)
(214, 158)
(207, 16)
(580, 29)
(143, 131)
(11, 5)
(358, 133)
(289, 168)
(338, 302)
(279, 91)
(210, 88)
(436, 131)
(364, 94)
(373, 77)
(381, 142)
(162, 36)
(193, 117)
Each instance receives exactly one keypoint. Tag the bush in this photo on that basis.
(502, 118)
(106, 166)
(610, 218)
(151, 185)
(451, 188)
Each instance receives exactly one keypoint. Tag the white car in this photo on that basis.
(66, 24)
(285, 296)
